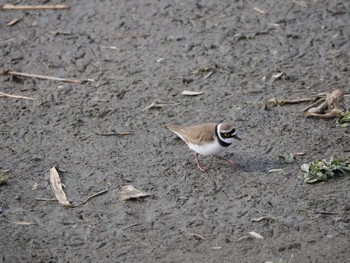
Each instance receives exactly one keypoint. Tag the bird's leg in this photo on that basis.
(224, 159)
(198, 164)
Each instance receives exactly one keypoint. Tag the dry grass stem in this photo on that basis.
(2, 94)
(34, 7)
(35, 76)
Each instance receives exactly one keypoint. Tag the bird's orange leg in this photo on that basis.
(198, 164)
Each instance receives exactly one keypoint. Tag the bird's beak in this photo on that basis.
(237, 138)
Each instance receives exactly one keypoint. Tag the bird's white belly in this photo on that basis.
(212, 148)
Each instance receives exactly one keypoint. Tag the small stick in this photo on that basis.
(2, 94)
(35, 76)
(46, 199)
(113, 134)
(34, 7)
(92, 196)
(197, 236)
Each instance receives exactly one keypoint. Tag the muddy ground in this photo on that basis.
(139, 52)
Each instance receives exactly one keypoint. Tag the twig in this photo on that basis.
(279, 102)
(34, 7)
(113, 134)
(35, 76)
(46, 199)
(314, 211)
(2, 94)
(196, 236)
(129, 226)
(92, 196)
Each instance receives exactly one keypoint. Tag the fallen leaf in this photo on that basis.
(56, 186)
(129, 192)
(191, 93)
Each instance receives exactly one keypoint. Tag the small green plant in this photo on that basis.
(321, 170)
(344, 119)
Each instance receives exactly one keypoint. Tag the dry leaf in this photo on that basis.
(56, 186)
(129, 192)
(256, 235)
(191, 93)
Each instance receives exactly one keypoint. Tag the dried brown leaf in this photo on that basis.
(56, 186)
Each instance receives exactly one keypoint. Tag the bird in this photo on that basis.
(206, 138)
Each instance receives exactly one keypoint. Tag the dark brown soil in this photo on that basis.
(139, 52)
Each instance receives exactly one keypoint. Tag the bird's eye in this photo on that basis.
(227, 135)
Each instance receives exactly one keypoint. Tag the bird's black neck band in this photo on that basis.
(221, 142)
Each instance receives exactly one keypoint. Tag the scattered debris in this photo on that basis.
(23, 223)
(256, 235)
(216, 248)
(278, 75)
(35, 76)
(197, 237)
(111, 47)
(325, 107)
(159, 60)
(113, 134)
(275, 170)
(344, 119)
(263, 218)
(56, 186)
(259, 10)
(129, 192)
(160, 104)
(92, 196)
(45, 199)
(330, 107)
(107, 134)
(314, 211)
(191, 93)
(290, 157)
(35, 186)
(13, 21)
(321, 170)
(2, 94)
(274, 102)
(203, 70)
(34, 7)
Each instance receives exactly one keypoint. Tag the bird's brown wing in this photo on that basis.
(197, 134)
